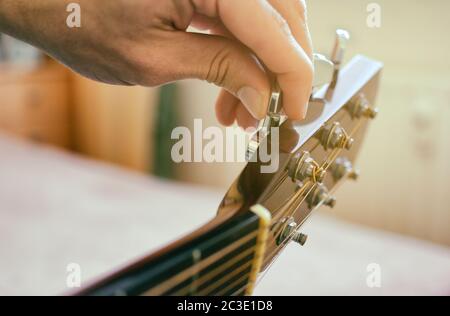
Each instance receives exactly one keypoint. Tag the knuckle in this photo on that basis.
(219, 67)
(183, 12)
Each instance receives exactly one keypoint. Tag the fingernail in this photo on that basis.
(253, 101)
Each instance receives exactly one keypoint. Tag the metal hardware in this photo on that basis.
(334, 136)
(274, 118)
(359, 107)
(340, 45)
(337, 57)
(323, 73)
(300, 238)
(302, 166)
(253, 146)
(343, 167)
(324, 69)
(321, 195)
(276, 191)
(289, 228)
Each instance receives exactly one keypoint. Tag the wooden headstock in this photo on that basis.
(315, 157)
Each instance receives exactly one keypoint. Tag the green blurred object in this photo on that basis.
(166, 121)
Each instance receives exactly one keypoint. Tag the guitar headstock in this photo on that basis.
(314, 156)
(266, 207)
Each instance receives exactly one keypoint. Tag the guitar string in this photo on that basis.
(283, 177)
(279, 251)
(235, 272)
(334, 153)
(279, 213)
(294, 199)
(229, 277)
(216, 270)
(235, 283)
(289, 208)
(328, 162)
(185, 273)
(296, 202)
(288, 239)
(294, 206)
(354, 131)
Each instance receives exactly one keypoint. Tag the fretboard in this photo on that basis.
(223, 261)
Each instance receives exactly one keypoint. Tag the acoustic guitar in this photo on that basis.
(263, 212)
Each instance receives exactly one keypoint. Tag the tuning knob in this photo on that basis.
(302, 166)
(290, 232)
(321, 195)
(334, 136)
(359, 107)
(343, 167)
(300, 238)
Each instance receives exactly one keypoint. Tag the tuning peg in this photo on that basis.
(340, 45)
(321, 195)
(359, 107)
(323, 71)
(343, 167)
(302, 166)
(354, 174)
(334, 136)
(300, 238)
(337, 57)
(290, 232)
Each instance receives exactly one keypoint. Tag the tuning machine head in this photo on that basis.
(359, 107)
(327, 70)
(303, 167)
(323, 72)
(321, 195)
(334, 136)
(343, 167)
(288, 232)
(340, 45)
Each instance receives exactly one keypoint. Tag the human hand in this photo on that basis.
(145, 42)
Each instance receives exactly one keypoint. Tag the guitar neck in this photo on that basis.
(225, 260)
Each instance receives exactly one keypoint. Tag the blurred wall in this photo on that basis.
(405, 183)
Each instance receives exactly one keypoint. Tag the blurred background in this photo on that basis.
(405, 162)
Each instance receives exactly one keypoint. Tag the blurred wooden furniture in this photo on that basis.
(114, 123)
(34, 103)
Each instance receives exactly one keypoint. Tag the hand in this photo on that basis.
(145, 42)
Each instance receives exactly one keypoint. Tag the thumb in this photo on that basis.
(221, 61)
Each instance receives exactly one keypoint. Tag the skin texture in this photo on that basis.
(145, 42)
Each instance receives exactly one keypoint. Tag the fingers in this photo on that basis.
(294, 12)
(229, 109)
(226, 107)
(218, 60)
(267, 33)
(243, 118)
